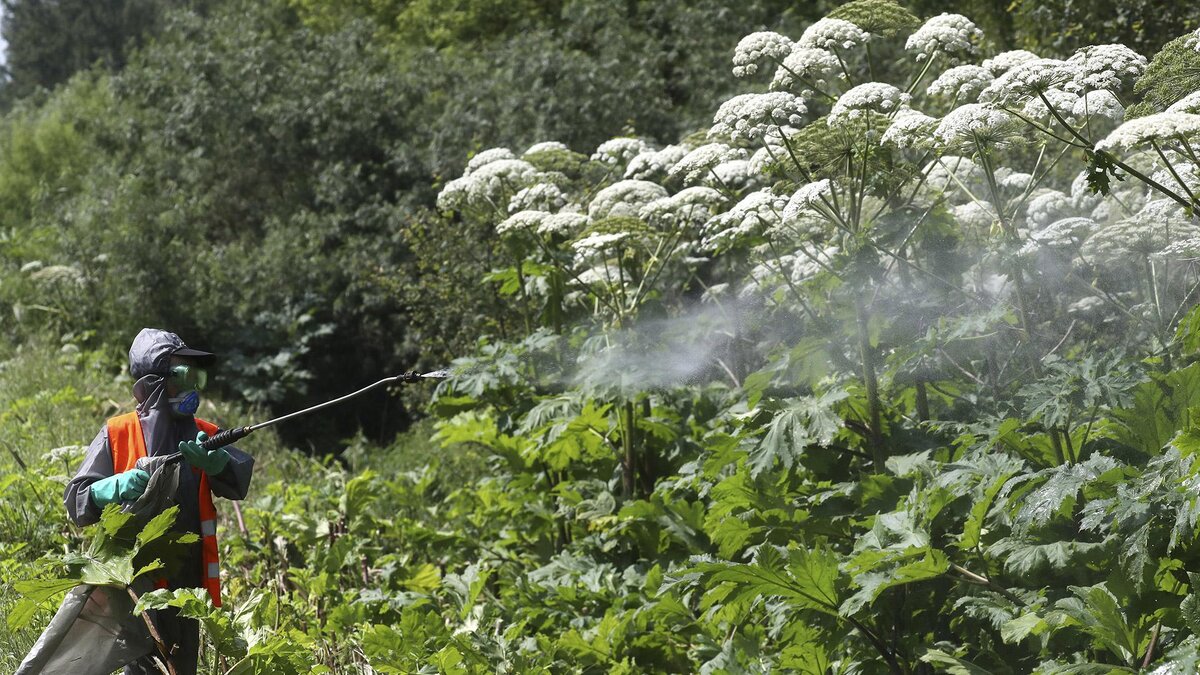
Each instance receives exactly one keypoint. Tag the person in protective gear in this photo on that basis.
(169, 378)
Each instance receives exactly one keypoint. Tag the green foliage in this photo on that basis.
(1173, 73)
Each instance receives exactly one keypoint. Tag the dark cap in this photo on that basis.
(205, 358)
(153, 348)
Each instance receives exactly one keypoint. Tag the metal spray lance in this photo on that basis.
(235, 434)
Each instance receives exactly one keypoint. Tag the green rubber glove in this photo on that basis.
(122, 487)
(211, 462)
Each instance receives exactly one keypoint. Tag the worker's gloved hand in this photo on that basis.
(211, 462)
(122, 487)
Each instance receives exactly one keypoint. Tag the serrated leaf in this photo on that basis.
(1022, 627)
(947, 663)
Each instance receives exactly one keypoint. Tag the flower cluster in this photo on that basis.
(1006, 61)
(1113, 67)
(953, 176)
(487, 157)
(736, 175)
(624, 198)
(488, 184)
(538, 197)
(1027, 79)
(546, 146)
(806, 66)
(974, 126)
(961, 83)
(700, 161)
(1099, 105)
(975, 215)
(756, 212)
(655, 163)
(521, 221)
(910, 129)
(952, 35)
(1187, 104)
(833, 34)
(1156, 128)
(692, 206)
(561, 224)
(596, 243)
(1063, 103)
(812, 197)
(748, 117)
(758, 46)
(619, 151)
(877, 97)
(1048, 207)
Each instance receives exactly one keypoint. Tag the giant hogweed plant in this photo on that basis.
(988, 272)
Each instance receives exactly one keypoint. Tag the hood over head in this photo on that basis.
(150, 362)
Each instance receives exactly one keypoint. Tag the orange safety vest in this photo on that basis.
(128, 444)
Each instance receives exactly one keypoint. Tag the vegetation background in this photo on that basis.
(261, 177)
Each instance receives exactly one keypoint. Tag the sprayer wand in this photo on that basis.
(235, 434)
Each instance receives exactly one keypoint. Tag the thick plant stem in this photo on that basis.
(922, 402)
(628, 459)
(164, 652)
(874, 408)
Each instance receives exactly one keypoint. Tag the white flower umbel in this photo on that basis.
(1113, 67)
(562, 224)
(1156, 226)
(961, 83)
(690, 207)
(624, 198)
(1083, 200)
(1158, 128)
(697, 163)
(833, 34)
(755, 213)
(1006, 61)
(757, 47)
(976, 126)
(653, 164)
(1065, 232)
(546, 146)
(815, 197)
(598, 243)
(487, 157)
(910, 129)
(1098, 105)
(521, 222)
(879, 97)
(951, 35)
(806, 67)
(1182, 249)
(487, 185)
(539, 197)
(808, 263)
(1013, 182)
(1063, 101)
(749, 117)
(953, 176)
(978, 216)
(735, 175)
(1181, 171)
(1187, 104)
(618, 151)
(1027, 79)
(1047, 207)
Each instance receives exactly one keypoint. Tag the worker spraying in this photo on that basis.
(170, 377)
(159, 455)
